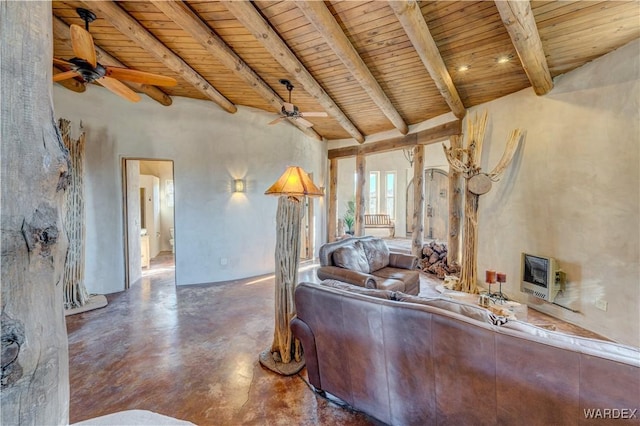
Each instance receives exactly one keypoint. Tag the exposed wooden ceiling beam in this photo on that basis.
(412, 20)
(191, 23)
(136, 32)
(518, 18)
(324, 22)
(248, 16)
(61, 32)
(70, 83)
(424, 137)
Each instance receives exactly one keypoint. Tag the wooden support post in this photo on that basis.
(34, 170)
(455, 205)
(360, 193)
(417, 227)
(332, 215)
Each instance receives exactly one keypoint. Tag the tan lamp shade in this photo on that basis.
(294, 181)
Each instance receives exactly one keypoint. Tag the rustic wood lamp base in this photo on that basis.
(268, 360)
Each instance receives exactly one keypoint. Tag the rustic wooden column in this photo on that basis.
(332, 215)
(35, 360)
(455, 205)
(361, 180)
(417, 227)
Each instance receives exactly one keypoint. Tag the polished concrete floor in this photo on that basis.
(191, 352)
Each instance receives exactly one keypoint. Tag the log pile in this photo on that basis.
(434, 260)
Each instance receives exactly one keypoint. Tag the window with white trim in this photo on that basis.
(390, 194)
(374, 193)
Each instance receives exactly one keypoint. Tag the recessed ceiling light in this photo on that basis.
(504, 59)
(463, 68)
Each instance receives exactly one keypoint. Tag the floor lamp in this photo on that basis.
(284, 356)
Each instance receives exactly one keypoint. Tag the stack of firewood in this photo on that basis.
(434, 260)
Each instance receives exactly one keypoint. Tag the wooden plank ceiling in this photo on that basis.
(373, 66)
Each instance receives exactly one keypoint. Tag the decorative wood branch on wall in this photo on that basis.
(476, 184)
(75, 292)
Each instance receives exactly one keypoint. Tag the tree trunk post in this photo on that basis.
(418, 201)
(35, 360)
(333, 201)
(361, 180)
(455, 205)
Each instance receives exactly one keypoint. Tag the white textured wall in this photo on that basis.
(209, 148)
(572, 191)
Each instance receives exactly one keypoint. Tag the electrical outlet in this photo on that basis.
(224, 261)
(601, 304)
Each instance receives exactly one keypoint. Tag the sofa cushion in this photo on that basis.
(376, 252)
(410, 278)
(351, 257)
(381, 294)
(466, 309)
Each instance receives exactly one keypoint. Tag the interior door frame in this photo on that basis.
(125, 216)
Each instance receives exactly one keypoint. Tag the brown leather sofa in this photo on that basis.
(367, 262)
(408, 362)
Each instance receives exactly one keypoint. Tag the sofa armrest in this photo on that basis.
(303, 333)
(404, 261)
(346, 275)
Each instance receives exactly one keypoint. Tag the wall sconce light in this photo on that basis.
(239, 185)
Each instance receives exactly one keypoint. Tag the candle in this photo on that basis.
(490, 276)
(502, 277)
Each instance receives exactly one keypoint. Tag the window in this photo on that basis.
(390, 194)
(373, 192)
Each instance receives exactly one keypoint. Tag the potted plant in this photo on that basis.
(349, 217)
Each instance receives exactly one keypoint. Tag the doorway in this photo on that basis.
(436, 205)
(148, 217)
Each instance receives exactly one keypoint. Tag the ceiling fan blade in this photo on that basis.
(277, 120)
(304, 122)
(288, 107)
(66, 75)
(82, 44)
(314, 114)
(119, 88)
(62, 62)
(140, 77)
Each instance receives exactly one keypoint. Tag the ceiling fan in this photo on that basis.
(289, 110)
(85, 66)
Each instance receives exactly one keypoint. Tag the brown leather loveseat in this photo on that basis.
(367, 262)
(417, 361)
